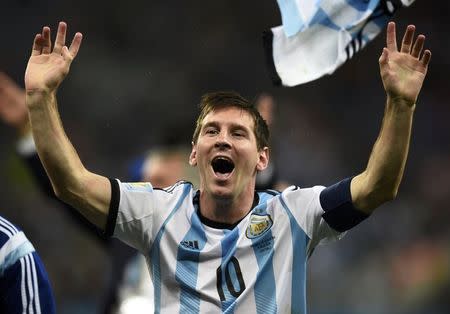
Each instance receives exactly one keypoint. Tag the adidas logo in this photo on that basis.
(190, 244)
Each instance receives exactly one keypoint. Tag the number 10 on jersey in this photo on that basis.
(234, 282)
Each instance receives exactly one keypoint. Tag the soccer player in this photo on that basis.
(24, 284)
(225, 247)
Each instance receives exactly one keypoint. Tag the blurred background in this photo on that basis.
(137, 80)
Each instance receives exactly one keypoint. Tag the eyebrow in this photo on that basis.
(231, 124)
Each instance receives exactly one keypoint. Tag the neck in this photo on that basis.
(226, 210)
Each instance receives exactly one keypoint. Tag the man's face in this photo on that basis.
(226, 153)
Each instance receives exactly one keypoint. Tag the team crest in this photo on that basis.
(258, 225)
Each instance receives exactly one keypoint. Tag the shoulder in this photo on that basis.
(295, 191)
(181, 189)
(177, 188)
(291, 193)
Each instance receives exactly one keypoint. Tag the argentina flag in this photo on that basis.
(318, 36)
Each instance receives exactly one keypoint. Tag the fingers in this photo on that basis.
(42, 42)
(46, 42)
(426, 57)
(418, 46)
(75, 45)
(408, 44)
(391, 40)
(408, 39)
(60, 37)
(70, 53)
(37, 45)
(384, 58)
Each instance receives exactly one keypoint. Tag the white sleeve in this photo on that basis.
(135, 214)
(138, 211)
(305, 206)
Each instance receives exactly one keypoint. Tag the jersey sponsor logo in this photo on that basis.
(259, 224)
(264, 244)
(139, 186)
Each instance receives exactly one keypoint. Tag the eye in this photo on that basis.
(239, 133)
(211, 131)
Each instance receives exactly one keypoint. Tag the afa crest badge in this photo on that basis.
(258, 225)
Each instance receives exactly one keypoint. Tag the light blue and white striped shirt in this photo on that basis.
(257, 266)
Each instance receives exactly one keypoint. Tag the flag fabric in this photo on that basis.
(318, 36)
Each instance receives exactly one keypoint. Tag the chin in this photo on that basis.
(222, 192)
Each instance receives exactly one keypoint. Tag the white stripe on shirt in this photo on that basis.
(37, 302)
(22, 286)
(29, 285)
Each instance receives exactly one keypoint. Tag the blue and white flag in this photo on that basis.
(318, 36)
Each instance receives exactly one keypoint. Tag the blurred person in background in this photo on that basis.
(228, 126)
(24, 283)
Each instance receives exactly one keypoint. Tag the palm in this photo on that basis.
(403, 72)
(45, 71)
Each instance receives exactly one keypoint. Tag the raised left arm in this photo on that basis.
(403, 73)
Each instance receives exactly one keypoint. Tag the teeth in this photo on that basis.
(222, 158)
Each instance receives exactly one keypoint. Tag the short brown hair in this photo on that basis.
(212, 101)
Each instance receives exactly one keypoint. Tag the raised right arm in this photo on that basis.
(71, 181)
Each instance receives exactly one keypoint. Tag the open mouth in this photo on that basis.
(222, 166)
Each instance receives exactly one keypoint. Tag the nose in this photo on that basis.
(222, 142)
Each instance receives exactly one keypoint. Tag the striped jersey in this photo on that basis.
(24, 284)
(257, 266)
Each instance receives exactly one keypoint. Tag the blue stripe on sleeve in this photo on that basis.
(155, 251)
(187, 266)
(299, 244)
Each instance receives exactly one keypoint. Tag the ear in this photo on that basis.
(263, 159)
(193, 156)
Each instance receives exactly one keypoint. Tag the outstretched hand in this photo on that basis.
(13, 110)
(404, 71)
(47, 68)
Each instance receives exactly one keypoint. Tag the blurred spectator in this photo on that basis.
(24, 284)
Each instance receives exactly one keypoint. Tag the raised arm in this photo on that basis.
(403, 73)
(71, 181)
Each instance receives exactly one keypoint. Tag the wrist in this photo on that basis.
(400, 104)
(37, 96)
